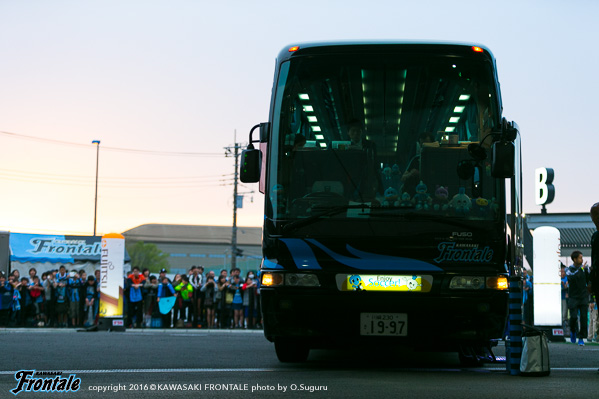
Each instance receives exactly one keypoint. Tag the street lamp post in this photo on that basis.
(97, 142)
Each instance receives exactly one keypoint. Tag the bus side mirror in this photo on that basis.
(503, 159)
(250, 165)
(504, 151)
(251, 158)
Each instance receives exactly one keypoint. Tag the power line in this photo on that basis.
(115, 149)
(120, 179)
(120, 185)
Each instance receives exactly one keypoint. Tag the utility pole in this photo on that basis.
(234, 152)
(234, 235)
(97, 143)
(235, 149)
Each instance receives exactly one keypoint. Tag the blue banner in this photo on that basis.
(54, 248)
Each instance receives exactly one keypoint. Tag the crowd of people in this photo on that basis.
(71, 299)
(202, 300)
(58, 298)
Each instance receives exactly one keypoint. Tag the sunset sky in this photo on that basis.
(166, 84)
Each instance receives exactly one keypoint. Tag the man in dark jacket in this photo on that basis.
(578, 298)
(594, 275)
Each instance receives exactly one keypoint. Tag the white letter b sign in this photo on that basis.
(544, 190)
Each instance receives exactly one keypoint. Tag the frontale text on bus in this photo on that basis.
(388, 171)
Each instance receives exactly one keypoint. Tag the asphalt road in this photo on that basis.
(242, 364)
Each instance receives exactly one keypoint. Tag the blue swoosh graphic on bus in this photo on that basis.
(268, 264)
(302, 254)
(370, 261)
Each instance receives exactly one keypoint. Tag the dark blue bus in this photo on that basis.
(390, 176)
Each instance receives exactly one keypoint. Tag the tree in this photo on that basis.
(147, 256)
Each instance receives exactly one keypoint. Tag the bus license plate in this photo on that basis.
(389, 324)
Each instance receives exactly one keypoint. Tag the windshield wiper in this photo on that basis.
(438, 218)
(416, 215)
(332, 211)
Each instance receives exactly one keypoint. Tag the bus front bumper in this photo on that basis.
(327, 319)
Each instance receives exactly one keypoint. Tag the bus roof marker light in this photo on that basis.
(303, 96)
(477, 49)
(294, 48)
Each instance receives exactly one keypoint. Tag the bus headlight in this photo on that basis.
(479, 283)
(467, 283)
(290, 279)
(301, 280)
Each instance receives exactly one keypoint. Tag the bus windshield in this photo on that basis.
(384, 136)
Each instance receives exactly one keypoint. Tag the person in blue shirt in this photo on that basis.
(60, 289)
(565, 324)
(165, 290)
(6, 292)
(25, 313)
(133, 289)
(237, 304)
(73, 287)
(527, 298)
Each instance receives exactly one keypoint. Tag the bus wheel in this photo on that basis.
(291, 350)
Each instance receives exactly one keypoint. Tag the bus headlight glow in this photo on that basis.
(272, 279)
(497, 283)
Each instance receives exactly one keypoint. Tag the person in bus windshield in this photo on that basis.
(357, 141)
(371, 183)
(411, 176)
